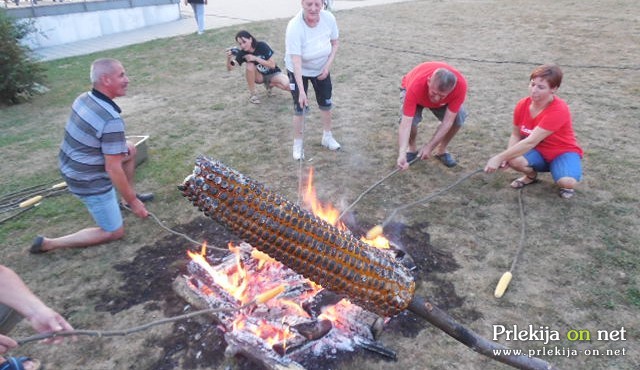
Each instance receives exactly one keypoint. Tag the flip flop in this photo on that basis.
(254, 99)
(17, 363)
(566, 193)
(519, 183)
(36, 248)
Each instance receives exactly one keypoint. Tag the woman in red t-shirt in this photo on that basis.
(542, 139)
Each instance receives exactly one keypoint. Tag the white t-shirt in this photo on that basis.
(313, 44)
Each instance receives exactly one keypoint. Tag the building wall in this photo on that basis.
(70, 22)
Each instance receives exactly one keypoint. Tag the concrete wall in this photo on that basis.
(70, 22)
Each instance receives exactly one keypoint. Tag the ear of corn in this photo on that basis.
(60, 185)
(310, 246)
(31, 201)
(269, 294)
(503, 283)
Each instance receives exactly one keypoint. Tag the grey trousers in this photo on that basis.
(8, 319)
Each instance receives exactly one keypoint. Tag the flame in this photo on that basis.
(379, 242)
(330, 313)
(218, 277)
(325, 211)
(245, 286)
(331, 214)
(273, 334)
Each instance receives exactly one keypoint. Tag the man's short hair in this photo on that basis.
(101, 67)
(445, 79)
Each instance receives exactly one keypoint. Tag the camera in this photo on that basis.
(234, 52)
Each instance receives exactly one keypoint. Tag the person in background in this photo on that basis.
(198, 13)
(260, 66)
(311, 46)
(542, 138)
(16, 302)
(96, 160)
(441, 88)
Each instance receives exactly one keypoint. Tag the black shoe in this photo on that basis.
(144, 197)
(447, 159)
(411, 156)
(36, 246)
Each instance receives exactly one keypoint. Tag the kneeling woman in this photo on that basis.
(542, 139)
(260, 68)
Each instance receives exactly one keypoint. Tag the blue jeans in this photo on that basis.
(198, 12)
(104, 209)
(565, 165)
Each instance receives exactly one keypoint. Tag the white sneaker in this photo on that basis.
(330, 143)
(298, 153)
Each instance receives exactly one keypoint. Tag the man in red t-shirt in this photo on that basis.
(442, 89)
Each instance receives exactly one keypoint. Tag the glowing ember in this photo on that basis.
(274, 326)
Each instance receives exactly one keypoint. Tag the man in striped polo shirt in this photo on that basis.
(96, 160)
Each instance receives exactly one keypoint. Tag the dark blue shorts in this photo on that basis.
(565, 165)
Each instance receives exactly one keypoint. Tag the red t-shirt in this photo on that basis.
(415, 82)
(556, 117)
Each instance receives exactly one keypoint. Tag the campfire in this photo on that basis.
(298, 320)
(371, 278)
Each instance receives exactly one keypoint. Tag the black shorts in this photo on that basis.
(322, 88)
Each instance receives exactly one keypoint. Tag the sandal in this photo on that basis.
(254, 99)
(17, 363)
(566, 193)
(520, 183)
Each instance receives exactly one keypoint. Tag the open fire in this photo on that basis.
(298, 319)
(370, 277)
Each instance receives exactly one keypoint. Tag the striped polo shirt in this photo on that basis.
(94, 129)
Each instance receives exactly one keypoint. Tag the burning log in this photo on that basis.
(315, 304)
(236, 346)
(335, 259)
(314, 330)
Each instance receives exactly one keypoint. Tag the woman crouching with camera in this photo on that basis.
(260, 66)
